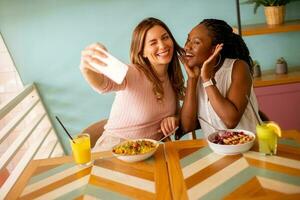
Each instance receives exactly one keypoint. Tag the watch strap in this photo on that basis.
(208, 83)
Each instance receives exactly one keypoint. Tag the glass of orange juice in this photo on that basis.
(81, 149)
(267, 134)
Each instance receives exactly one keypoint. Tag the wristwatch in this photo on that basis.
(208, 83)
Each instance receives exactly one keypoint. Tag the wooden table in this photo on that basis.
(179, 170)
(195, 172)
(109, 178)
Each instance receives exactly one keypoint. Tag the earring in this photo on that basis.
(218, 61)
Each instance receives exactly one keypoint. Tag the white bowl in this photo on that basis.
(137, 157)
(233, 149)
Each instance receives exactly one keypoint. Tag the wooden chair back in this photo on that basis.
(95, 130)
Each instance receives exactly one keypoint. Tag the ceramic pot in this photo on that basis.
(281, 68)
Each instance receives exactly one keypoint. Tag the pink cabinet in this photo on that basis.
(281, 103)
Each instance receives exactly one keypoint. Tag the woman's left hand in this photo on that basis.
(168, 124)
(207, 70)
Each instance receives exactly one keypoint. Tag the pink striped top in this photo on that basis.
(135, 112)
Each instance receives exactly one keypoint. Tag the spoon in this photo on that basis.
(212, 126)
(171, 133)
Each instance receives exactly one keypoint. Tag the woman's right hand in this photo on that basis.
(192, 72)
(90, 54)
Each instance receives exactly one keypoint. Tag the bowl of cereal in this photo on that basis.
(231, 141)
(135, 150)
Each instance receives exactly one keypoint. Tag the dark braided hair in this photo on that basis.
(234, 45)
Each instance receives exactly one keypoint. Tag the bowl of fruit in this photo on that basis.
(135, 150)
(231, 141)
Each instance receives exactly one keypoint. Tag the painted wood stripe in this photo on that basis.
(161, 174)
(78, 198)
(103, 193)
(44, 171)
(56, 185)
(77, 193)
(273, 159)
(240, 183)
(77, 183)
(198, 165)
(119, 177)
(193, 156)
(89, 197)
(278, 186)
(52, 178)
(289, 142)
(273, 167)
(122, 188)
(188, 152)
(288, 152)
(292, 134)
(138, 170)
(217, 179)
(177, 184)
(250, 189)
(210, 170)
(93, 192)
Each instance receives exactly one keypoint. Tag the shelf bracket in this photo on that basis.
(238, 15)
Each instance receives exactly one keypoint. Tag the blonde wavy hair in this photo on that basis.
(174, 69)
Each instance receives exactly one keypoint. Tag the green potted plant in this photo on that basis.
(274, 9)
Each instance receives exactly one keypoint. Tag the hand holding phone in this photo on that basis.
(114, 69)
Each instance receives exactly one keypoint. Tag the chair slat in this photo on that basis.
(46, 149)
(37, 130)
(58, 151)
(15, 122)
(6, 108)
(17, 144)
(28, 155)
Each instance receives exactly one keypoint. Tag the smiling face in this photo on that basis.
(158, 47)
(198, 46)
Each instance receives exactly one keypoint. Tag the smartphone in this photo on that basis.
(115, 69)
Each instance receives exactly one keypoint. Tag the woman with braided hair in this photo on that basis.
(219, 71)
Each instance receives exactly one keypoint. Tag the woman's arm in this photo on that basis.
(170, 123)
(188, 115)
(231, 108)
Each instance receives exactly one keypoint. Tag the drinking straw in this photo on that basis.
(65, 129)
(256, 114)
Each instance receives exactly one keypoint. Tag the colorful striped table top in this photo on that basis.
(108, 178)
(178, 170)
(198, 173)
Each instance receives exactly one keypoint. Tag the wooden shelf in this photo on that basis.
(258, 29)
(269, 78)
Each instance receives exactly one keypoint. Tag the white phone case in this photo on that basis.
(115, 69)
